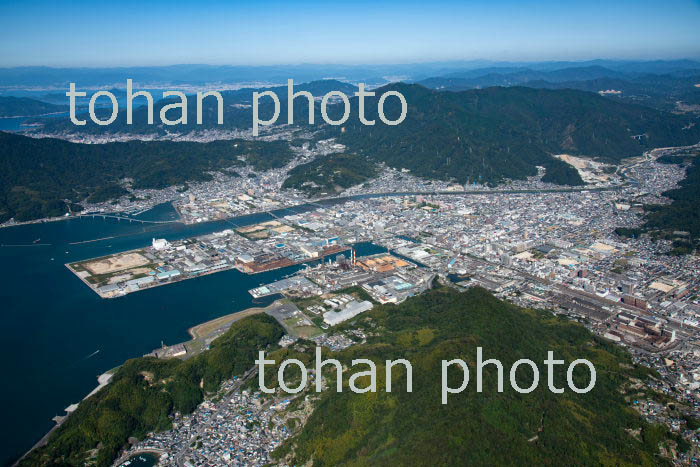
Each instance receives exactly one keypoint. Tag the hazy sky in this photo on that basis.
(100, 33)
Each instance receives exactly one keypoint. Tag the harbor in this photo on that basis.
(253, 249)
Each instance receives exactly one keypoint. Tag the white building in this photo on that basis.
(351, 310)
(160, 244)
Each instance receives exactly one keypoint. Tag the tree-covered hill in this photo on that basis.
(330, 174)
(477, 428)
(683, 214)
(485, 135)
(495, 133)
(401, 428)
(145, 391)
(39, 177)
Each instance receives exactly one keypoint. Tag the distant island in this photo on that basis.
(25, 107)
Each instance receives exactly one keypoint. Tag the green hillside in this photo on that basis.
(679, 221)
(487, 428)
(39, 177)
(400, 428)
(145, 391)
(485, 136)
(684, 211)
(330, 174)
(490, 134)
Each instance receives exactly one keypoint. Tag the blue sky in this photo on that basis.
(100, 33)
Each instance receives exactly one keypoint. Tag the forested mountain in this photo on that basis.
(485, 135)
(516, 76)
(475, 428)
(513, 76)
(40, 177)
(489, 134)
(26, 107)
(661, 91)
(684, 212)
(330, 174)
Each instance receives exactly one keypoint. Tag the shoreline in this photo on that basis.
(265, 267)
(102, 381)
(257, 310)
(124, 458)
(223, 322)
(198, 331)
(35, 116)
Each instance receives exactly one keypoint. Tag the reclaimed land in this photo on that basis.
(255, 268)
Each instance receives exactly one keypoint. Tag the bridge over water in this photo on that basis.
(130, 219)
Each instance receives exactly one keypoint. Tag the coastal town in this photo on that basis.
(531, 243)
(323, 234)
(548, 249)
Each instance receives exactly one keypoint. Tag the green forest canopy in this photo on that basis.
(488, 428)
(486, 135)
(330, 174)
(399, 428)
(144, 392)
(37, 176)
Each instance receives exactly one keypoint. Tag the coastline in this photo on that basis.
(35, 116)
(199, 332)
(205, 329)
(102, 380)
(193, 331)
(253, 269)
(126, 457)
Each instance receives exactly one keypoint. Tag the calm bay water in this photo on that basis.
(143, 460)
(19, 123)
(11, 123)
(59, 335)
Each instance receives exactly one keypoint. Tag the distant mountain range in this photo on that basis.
(510, 76)
(237, 112)
(26, 107)
(197, 74)
(663, 91)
